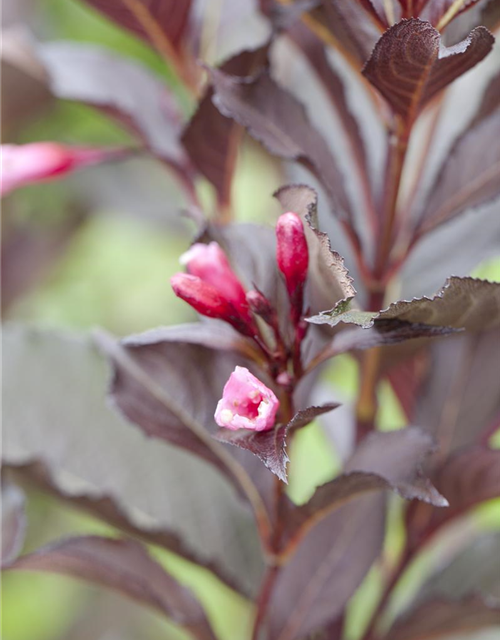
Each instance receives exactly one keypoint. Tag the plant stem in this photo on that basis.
(264, 598)
(398, 137)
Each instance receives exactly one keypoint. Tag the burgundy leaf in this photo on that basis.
(467, 303)
(122, 88)
(149, 19)
(409, 65)
(330, 562)
(315, 51)
(459, 399)
(269, 446)
(163, 491)
(435, 10)
(305, 416)
(470, 175)
(348, 26)
(443, 618)
(13, 522)
(123, 565)
(466, 479)
(277, 120)
(383, 333)
(211, 139)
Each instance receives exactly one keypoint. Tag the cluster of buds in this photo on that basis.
(42, 161)
(212, 288)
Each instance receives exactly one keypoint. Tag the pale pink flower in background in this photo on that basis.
(209, 262)
(246, 403)
(40, 161)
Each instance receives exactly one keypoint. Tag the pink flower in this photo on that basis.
(246, 403)
(24, 164)
(209, 262)
(291, 252)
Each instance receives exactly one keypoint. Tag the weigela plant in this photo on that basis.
(386, 117)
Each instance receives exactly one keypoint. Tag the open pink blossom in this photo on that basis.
(40, 161)
(246, 403)
(209, 262)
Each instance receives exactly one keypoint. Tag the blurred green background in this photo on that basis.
(114, 272)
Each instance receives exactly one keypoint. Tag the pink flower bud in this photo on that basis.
(208, 301)
(291, 253)
(209, 262)
(246, 403)
(28, 163)
(261, 306)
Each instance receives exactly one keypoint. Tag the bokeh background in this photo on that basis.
(98, 248)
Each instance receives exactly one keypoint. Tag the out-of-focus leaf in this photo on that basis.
(122, 88)
(277, 120)
(330, 562)
(466, 479)
(161, 490)
(315, 51)
(269, 446)
(149, 19)
(434, 10)
(475, 569)
(459, 399)
(470, 175)
(442, 618)
(123, 565)
(25, 91)
(13, 522)
(211, 139)
(28, 253)
(467, 303)
(348, 26)
(409, 65)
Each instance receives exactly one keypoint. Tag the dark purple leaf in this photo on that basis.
(459, 399)
(349, 28)
(470, 175)
(211, 139)
(315, 51)
(123, 565)
(162, 491)
(122, 88)
(330, 562)
(304, 417)
(435, 10)
(149, 19)
(269, 446)
(466, 479)
(383, 333)
(467, 303)
(443, 618)
(277, 120)
(13, 522)
(409, 65)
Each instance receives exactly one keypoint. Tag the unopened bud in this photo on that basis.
(209, 262)
(209, 301)
(40, 161)
(261, 306)
(292, 253)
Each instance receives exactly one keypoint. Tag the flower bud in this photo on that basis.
(208, 301)
(261, 306)
(292, 253)
(246, 403)
(209, 262)
(40, 161)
